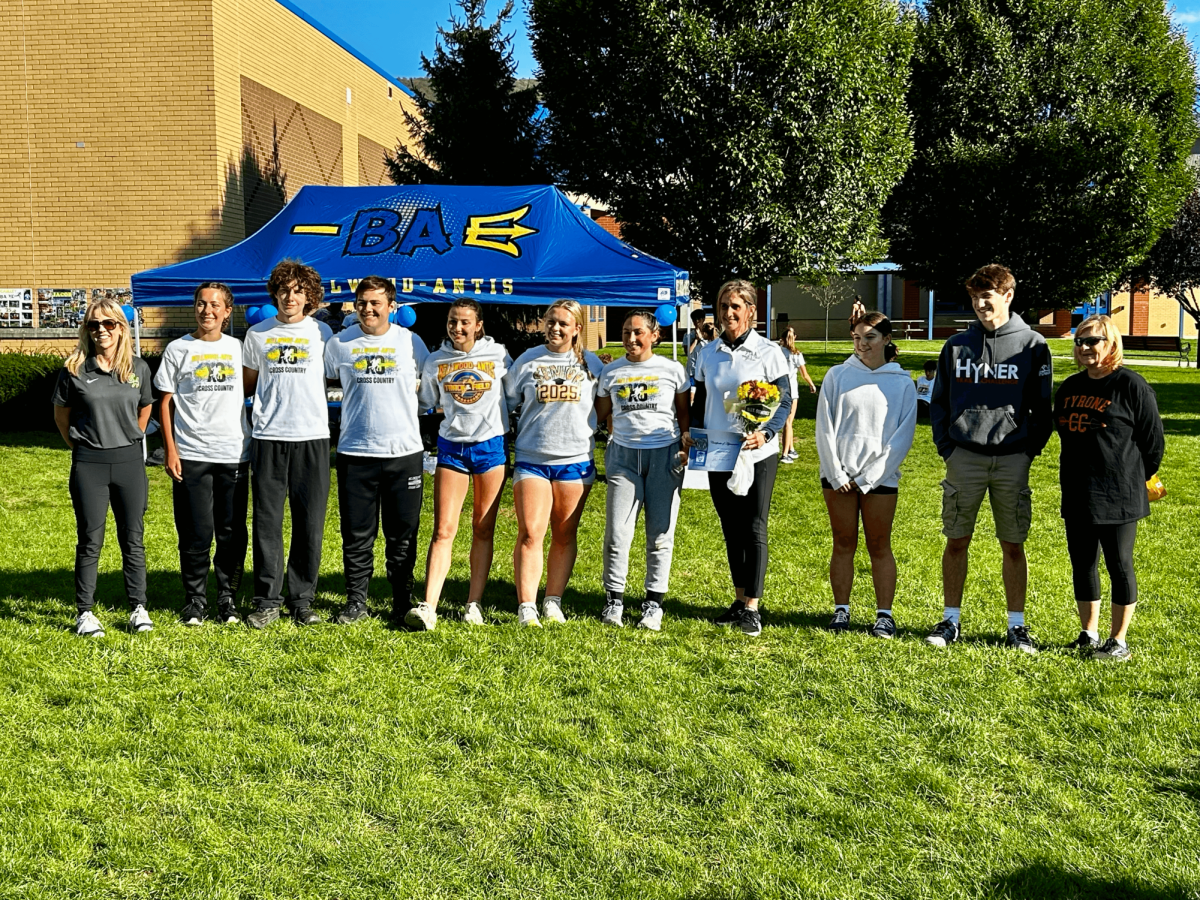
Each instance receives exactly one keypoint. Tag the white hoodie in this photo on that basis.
(469, 387)
(865, 424)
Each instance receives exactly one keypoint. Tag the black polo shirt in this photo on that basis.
(104, 411)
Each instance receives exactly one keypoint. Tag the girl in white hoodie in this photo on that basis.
(464, 377)
(866, 416)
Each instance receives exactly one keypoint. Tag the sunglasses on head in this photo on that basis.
(93, 325)
(1088, 341)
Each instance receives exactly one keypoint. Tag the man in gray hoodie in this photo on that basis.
(991, 413)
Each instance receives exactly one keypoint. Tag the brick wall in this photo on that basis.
(371, 168)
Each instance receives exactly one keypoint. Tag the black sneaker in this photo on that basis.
(750, 622)
(1084, 642)
(840, 621)
(193, 613)
(263, 616)
(732, 615)
(351, 613)
(944, 634)
(304, 615)
(884, 627)
(227, 613)
(1019, 638)
(1113, 652)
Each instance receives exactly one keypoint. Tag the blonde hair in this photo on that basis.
(123, 366)
(789, 339)
(1107, 328)
(573, 307)
(740, 287)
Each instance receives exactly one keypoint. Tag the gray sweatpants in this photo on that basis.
(638, 478)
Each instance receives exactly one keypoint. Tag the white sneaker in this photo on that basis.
(527, 616)
(139, 620)
(612, 612)
(421, 617)
(552, 610)
(651, 618)
(87, 625)
(473, 614)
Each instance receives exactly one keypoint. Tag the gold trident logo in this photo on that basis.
(498, 231)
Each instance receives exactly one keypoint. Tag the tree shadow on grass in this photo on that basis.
(1041, 880)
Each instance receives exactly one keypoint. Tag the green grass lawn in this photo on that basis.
(581, 761)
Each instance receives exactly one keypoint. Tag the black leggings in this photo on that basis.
(1084, 543)
(744, 524)
(211, 500)
(94, 485)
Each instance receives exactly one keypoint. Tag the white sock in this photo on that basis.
(1016, 620)
(952, 613)
(1119, 643)
(842, 606)
(883, 612)
(1094, 635)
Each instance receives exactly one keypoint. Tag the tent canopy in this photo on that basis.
(495, 244)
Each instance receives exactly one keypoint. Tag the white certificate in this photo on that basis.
(714, 451)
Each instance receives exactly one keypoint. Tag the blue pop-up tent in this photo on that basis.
(496, 244)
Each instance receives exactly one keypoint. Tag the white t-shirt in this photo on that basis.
(379, 390)
(722, 369)
(794, 362)
(643, 399)
(205, 378)
(924, 388)
(289, 402)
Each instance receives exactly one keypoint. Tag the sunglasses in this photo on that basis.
(93, 325)
(1088, 341)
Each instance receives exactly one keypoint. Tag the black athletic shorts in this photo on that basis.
(879, 491)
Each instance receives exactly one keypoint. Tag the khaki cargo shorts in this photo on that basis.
(1005, 479)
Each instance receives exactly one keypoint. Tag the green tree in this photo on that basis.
(755, 138)
(1050, 136)
(1173, 265)
(474, 125)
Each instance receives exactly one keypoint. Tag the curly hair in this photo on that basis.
(292, 271)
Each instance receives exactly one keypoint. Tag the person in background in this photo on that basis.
(102, 404)
(866, 417)
(795, 363)
(991, 415)
(207, 441)
(379, 452)
(284, 371)
(465, 379)
(742, 354)
(857, 310)
(555, 387)
(647, 397)
(925, 388)
(1112, 442)
(697, 316)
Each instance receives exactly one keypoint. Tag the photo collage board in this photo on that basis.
(53, 307)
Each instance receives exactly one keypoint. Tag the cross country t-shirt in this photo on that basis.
(643, 400)
(205, 378)
(289, 402)
(379, 390)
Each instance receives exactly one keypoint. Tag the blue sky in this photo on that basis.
(394, 33)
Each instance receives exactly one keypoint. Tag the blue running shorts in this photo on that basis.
(584, 472)
(471, 459)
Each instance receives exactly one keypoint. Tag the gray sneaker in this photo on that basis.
(651, 618)
(87, 625)
(421, 617)
(1113, 652)
(473, 614)
(612, 612)
(139, 620)
(552, 610)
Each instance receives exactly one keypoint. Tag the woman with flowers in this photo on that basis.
(866, 417)
(742, 385)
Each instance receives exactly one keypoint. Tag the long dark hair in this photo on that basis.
(883, 325)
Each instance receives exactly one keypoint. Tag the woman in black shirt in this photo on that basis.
(1112, 442)
(101, 406)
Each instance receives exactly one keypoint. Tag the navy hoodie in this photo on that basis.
(992, 394)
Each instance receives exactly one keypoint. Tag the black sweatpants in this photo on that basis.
(744, 524)
(370, 487)
(100, 478)
(298, 472)
(1084, 543)
(210, 501)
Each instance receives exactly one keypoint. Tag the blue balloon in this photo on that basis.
(130, 313)
(265, 312)
(666, 314)
(406, 316)
(253, 315)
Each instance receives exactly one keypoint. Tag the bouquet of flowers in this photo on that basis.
(756, 402)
